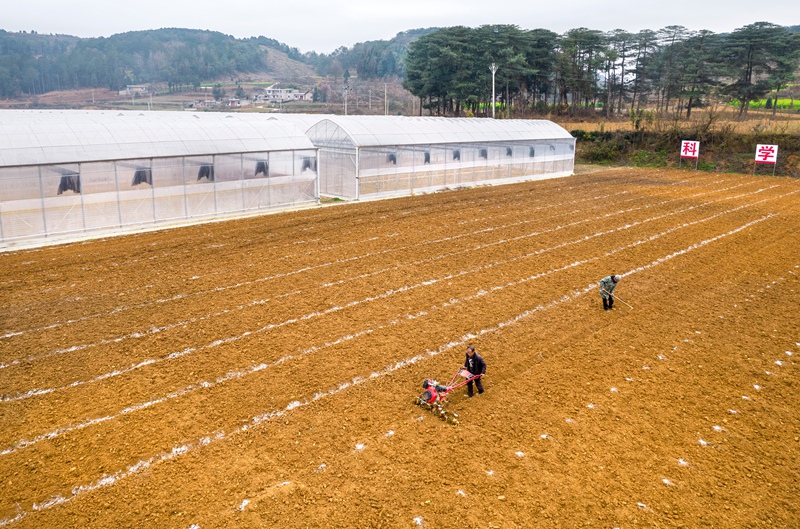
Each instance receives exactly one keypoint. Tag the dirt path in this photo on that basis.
(260, 372)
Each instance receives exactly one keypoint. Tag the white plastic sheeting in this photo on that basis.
(379, 131)
(66, 173)
(44, 137)
(375, 156)
(76, 171)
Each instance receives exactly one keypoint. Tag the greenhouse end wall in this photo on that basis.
(39, 202)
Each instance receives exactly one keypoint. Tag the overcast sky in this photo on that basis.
(322, 26)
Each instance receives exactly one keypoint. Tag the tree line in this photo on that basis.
(376, 59)
(447, 68)
(32, 63)
(672, 69)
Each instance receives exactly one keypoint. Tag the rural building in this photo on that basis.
(64, 173)
(282, 95)
(202, 103)
(134, 89)
(374, 156)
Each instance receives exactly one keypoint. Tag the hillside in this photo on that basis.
(281, 68)
(32, 64)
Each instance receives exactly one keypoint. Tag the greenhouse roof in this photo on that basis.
(51, 137)
(373, 131)
(34, 137)
(303, 121)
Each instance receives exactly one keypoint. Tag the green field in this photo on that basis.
(781, 103)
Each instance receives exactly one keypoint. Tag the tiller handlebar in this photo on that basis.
(435, 392)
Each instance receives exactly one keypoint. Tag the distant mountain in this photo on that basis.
(372, 59)
(32, 63)
(24, 57)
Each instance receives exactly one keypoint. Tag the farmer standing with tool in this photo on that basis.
(607, 286)
(476, 366)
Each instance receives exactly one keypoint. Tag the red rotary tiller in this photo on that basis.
(435, 395)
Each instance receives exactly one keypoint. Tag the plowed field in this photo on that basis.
(260, 372)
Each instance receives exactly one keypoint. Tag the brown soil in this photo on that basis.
(100, 99)
(83, 98)
(260, 372)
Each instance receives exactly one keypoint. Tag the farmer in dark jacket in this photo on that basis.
(607, 286)
(477, 366)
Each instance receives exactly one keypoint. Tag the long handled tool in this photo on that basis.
(616, 297)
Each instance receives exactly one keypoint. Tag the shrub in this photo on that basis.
(579, 134)
(603, 151)
(706, 166)
(644, 158)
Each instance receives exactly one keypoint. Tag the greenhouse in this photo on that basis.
(363, 157)
(71, 172)
(64, 173)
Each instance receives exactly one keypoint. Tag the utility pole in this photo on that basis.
(493, 68)
(385, 101)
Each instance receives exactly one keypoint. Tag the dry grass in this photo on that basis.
(756, 121)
